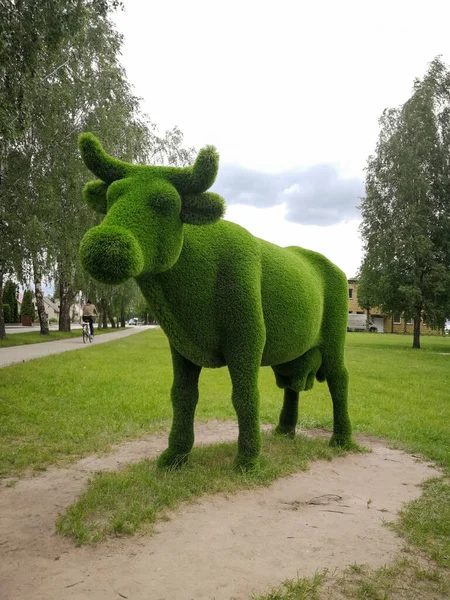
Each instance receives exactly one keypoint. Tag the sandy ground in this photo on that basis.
(221, 548)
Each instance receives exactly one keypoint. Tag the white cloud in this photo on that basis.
(282, 86)
(339, 243)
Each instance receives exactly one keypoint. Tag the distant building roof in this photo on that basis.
(51, 304)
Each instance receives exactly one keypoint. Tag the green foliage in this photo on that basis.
(75, 83)
(222, 296)
(7, 313)
(27, 309)
(31, 35)
(10, 298)
(405, 228)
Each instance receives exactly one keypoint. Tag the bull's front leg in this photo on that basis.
(244, 373)
(243, 356)
(184, 396)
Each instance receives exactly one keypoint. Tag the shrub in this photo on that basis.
(10, 298)
(53, 320)
(27, 305)
(7, 313)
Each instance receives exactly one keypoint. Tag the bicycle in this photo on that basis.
(87, 335)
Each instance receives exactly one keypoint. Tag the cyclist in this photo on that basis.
(89, 311)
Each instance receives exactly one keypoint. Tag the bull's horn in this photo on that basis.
(199, 177)
(104, 166)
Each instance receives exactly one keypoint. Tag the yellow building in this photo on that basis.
(384, 323)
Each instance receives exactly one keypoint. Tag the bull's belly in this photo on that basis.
(279, 351)
(207, 355)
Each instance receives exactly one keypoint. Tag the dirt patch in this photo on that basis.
(221, 548)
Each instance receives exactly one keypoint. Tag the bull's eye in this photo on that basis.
(115, 190)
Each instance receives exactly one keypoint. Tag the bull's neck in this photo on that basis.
(155, 288)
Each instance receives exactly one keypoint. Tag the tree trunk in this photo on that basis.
(111, 318)
(43, 318)
(392, 324)
(103, 316)
(416, 342)
(2, 315)
(367, 319)
(122, 316)
(404, 324)
(65, 301)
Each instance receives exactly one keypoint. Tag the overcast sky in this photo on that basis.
(290, 93)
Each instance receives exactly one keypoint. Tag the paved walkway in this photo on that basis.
(18, 354)
(11, 329)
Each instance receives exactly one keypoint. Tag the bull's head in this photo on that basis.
(145, 209)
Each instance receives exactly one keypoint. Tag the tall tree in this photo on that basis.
(31, 35)
(406, 211)
(10, 298)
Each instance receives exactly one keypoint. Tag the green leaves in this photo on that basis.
(406, 211)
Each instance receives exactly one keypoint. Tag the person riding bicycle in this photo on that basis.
(89, 311)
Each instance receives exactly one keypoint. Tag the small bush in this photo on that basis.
(10, 292)
(27, 305)
(53, 320)
(7, 313)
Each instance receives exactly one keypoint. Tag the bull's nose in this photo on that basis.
(111, 254)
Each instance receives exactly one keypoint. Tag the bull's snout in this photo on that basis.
(111, 254)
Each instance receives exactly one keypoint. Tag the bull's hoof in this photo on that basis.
(170, 460)
(285, 431)
(344, 442)
(245, 464)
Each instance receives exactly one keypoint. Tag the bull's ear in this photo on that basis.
(94, 194)
(202, 209)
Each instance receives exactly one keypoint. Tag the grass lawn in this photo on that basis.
(51, 414)
(34, 337)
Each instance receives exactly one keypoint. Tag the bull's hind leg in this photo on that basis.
(289, 414)
(184, 396)
(295, 376)
(338, 385)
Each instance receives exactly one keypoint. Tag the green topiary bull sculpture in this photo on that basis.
(221, 295)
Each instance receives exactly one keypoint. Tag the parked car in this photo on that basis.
(133, 321)
(358, 322)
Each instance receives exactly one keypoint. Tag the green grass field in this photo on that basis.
(34, 337)
(65, 406)
(62, 407)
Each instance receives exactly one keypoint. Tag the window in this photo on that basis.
(350, 312)
(397, 319)
(350, 293)
(410, 322)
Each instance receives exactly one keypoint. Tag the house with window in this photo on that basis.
(384, 323)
